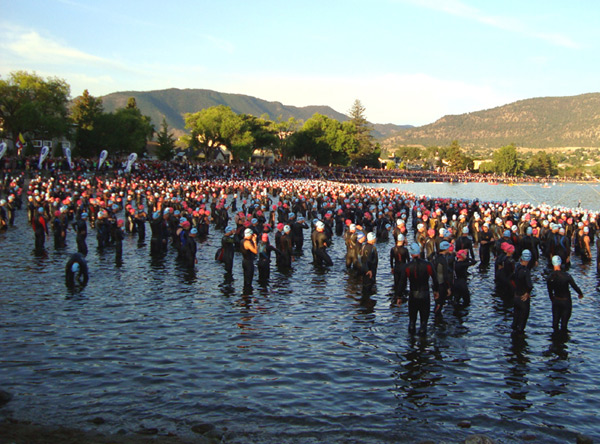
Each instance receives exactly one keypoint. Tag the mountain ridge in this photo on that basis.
(172, 103)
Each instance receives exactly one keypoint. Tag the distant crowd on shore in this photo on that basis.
(354, 175)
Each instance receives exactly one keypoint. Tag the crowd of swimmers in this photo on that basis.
(297, 170)
(435, 240)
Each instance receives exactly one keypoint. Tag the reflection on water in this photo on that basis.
(304, 357)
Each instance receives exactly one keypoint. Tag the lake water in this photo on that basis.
(152, 345)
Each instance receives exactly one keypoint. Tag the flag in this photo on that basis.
(103, 156)
(20, 143)
(43, 154)
(130, 160)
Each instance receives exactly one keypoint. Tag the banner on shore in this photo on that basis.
(68, 156)
(19, 144)
(43, 155)
(130, 161)
(103, 156)
(3, 148)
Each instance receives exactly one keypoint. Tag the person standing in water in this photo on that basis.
(369, 260)
(249, 251)
(522, 296)
(558, 283)
(418, 272)
(76, 271)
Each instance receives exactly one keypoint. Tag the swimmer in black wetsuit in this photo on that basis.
(522, 297)
(76, 271)
(418, 272)
(558, 283)
(399, 257)
(460, 289)
(249, 251)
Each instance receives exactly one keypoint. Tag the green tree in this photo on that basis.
(363, 152)
(166, 142)
(212, 128)
(85, 112)
(457, 160)
(506, 161)
(33, 106)
(541, 164)
(284, 129)
(124, 131)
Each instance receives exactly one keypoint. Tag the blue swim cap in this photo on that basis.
(229, 229)
(176, 213)
(444, 245)
(506, 233)
(529, 231)
(253, 221)
(84, 215)
(194, 231)
(75, 267)
(465, 230)
(182, 220)
(40, 210)
(414, 249)
(526, 255)
(400, 238)
(360, 235)
(556, 261)
(156, 215)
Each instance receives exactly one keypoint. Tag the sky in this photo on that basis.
(407, 61)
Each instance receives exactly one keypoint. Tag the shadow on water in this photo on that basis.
(517, 377)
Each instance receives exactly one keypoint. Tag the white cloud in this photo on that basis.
(511, 24)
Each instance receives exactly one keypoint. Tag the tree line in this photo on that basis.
(41, 109)
(505, 161)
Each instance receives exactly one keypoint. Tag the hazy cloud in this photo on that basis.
(511, 24)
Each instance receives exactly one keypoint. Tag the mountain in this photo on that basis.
(546, 122)
(174, 103)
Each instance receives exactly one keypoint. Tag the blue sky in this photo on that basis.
(407, 61)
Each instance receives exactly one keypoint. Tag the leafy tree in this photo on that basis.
(131, 103)
(364, 150)
(166, 142)
(85, 112)
(124, 131)
(506, 161)
(410, 153)
(284, 129)
(213, 127)
(30, 104)
(541, 164)
(457, 160)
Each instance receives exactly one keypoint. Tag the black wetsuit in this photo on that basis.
(247, 264)
(460, 289)
(418, 273)
(285, 247)
(485, 245)
(399, 257)
(351, 250)
(80, 227)
(81, 277)
(444, 268)
(369, 260)
(228, 246)
(558, 283)
(523, 286)
(264, 261)
(319, 239)
(118, 237)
